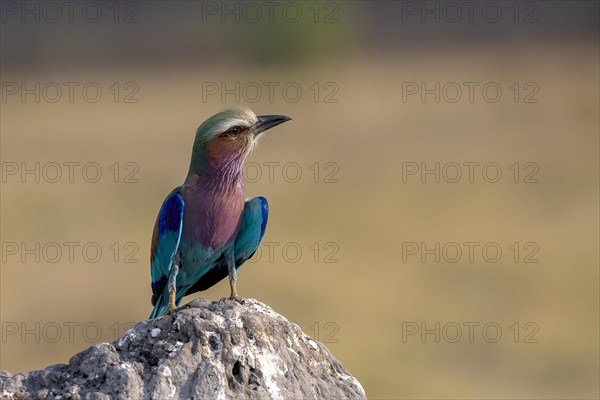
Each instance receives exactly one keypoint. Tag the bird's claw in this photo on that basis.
(232, 298)
(175, 310)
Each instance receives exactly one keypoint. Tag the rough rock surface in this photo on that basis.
(207, 350)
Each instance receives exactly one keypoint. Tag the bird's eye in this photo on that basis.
(233, 131)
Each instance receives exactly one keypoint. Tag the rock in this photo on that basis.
(206, 350)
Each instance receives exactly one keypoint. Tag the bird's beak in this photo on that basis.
(267, 122)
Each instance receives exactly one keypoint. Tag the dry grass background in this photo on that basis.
(368, 214)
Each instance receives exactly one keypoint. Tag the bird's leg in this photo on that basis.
(232, 276)
(172, 285)
(232, 285)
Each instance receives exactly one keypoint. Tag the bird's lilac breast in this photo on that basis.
(212, 219)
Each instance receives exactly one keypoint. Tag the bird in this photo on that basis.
(206, 229)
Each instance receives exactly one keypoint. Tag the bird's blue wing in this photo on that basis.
(165, 241)
(252, 230)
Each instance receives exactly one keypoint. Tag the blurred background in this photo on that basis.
(433, 204)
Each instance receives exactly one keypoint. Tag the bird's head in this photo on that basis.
(225, 139)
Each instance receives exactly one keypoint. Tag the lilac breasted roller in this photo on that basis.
(206, 229)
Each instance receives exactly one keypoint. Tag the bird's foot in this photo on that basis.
(175, 310)
(239, 299)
